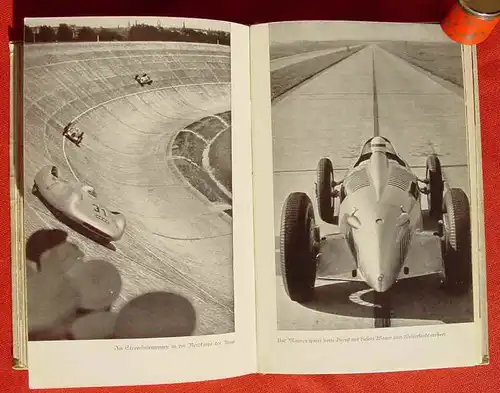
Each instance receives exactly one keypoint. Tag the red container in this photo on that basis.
(471, 22)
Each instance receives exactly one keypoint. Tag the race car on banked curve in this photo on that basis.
(79, 203)
(143, 79)
(74, 134)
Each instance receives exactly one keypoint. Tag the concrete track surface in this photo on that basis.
(332, 115)
(175, 240)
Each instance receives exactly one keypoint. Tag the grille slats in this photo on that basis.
(357, 180)
(400, 178)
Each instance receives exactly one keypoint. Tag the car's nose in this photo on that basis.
(377, 278)
(379, 270)
(378, 253)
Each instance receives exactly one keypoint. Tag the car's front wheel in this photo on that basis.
(298, 247)
(456, 244)
(324, 190)
(436, 186)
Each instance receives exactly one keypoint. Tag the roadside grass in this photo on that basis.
(200, 180)
(278, 50)
(207, 127)
(188, 149)
(220, 159)
(286, 78)
(189, 145)
(441, 59)
(226, 116)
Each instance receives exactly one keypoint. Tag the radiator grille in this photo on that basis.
(400, 178)
(357, 180)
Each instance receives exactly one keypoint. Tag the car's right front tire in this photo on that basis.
(298, 247)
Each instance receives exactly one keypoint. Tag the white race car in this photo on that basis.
(78, 203)
(383, 231)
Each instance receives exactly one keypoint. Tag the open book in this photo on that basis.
(196, 200)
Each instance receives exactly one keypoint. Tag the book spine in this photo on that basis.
(19, 295)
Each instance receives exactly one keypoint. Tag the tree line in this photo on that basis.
(140, 32)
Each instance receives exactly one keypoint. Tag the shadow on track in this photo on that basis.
(419, 298)
(72, 299)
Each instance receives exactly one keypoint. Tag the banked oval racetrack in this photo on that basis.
(176, 240)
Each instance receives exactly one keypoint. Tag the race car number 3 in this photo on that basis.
(100, 210)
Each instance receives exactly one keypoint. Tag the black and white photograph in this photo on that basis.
(371, 181)
(127, 178)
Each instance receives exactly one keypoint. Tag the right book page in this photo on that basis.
(368, 201)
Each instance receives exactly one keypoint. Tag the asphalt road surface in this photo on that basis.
(332, 115)
(175, 242)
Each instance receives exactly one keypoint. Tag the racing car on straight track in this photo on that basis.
(79, 203)
(384, 233)
(74, 134)
(143, 79)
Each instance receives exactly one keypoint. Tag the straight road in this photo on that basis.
(333, 115)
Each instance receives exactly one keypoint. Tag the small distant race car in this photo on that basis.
(143, 79)
(74, 134)
(79, 203)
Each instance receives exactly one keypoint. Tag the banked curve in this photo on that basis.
(124, 156)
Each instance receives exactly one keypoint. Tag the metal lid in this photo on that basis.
(485, 9)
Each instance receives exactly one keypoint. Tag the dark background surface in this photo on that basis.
(477, 379)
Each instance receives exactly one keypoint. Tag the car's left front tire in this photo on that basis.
(436, 186)
(456, 243)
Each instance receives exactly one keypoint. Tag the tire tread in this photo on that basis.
(458, 263)
(298, 276)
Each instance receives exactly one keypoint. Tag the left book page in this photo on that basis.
(135, 182)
